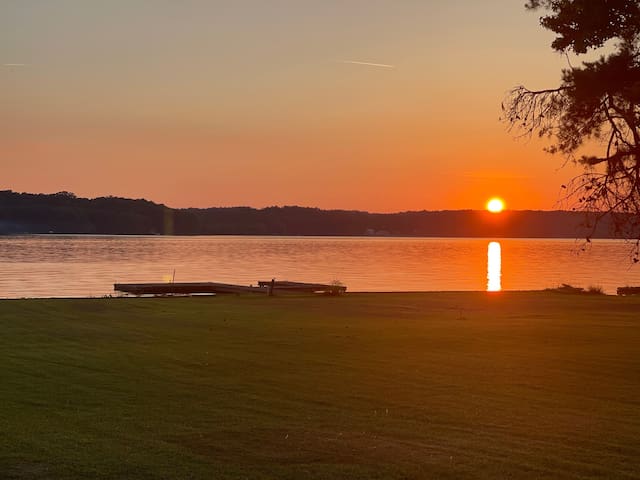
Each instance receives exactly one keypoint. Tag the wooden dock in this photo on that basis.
(264, 287)
(303, 287)
(184, 288)
(628, 291)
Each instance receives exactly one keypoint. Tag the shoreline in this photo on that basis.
(347, 294)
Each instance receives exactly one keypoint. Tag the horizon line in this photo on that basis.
(73, 195)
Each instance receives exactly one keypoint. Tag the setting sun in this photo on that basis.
(495, 205)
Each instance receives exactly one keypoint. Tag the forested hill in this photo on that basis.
(63, 212)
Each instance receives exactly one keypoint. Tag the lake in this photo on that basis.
(78, 265)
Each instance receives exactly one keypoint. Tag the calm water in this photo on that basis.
(62, 266)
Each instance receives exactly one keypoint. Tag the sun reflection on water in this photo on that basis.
(494, 267)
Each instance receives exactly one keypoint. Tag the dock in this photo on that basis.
(184, 288)
(628, 291)
(191, 288)
(303, 287)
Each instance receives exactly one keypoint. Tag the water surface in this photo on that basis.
(63, 266)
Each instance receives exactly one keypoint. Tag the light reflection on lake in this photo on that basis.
(56, 265)
(494, 267)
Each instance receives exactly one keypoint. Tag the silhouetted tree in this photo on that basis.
(593, 116)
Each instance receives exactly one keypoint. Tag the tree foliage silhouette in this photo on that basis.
(593, 116)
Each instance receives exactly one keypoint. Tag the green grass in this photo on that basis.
(432, 385)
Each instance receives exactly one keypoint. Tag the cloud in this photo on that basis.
(368, 64)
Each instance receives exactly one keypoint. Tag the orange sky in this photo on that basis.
(257, 103)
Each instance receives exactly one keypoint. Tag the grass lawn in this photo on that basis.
(425, 385)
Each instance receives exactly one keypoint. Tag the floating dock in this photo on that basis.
(184, 288)
(264, 287)
(303, 287)
(628, 291)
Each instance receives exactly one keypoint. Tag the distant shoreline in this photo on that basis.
(425, 237)
(65, 214)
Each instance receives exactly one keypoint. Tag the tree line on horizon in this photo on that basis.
(64, 213)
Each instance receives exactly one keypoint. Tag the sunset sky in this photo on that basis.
(259, 103)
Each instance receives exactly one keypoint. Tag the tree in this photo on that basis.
(593, 116)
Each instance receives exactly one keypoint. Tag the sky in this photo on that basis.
(378, 105)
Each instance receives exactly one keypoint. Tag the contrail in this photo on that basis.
(15, 64)
(368, 64)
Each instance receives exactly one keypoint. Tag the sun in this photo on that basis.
(495, 205)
